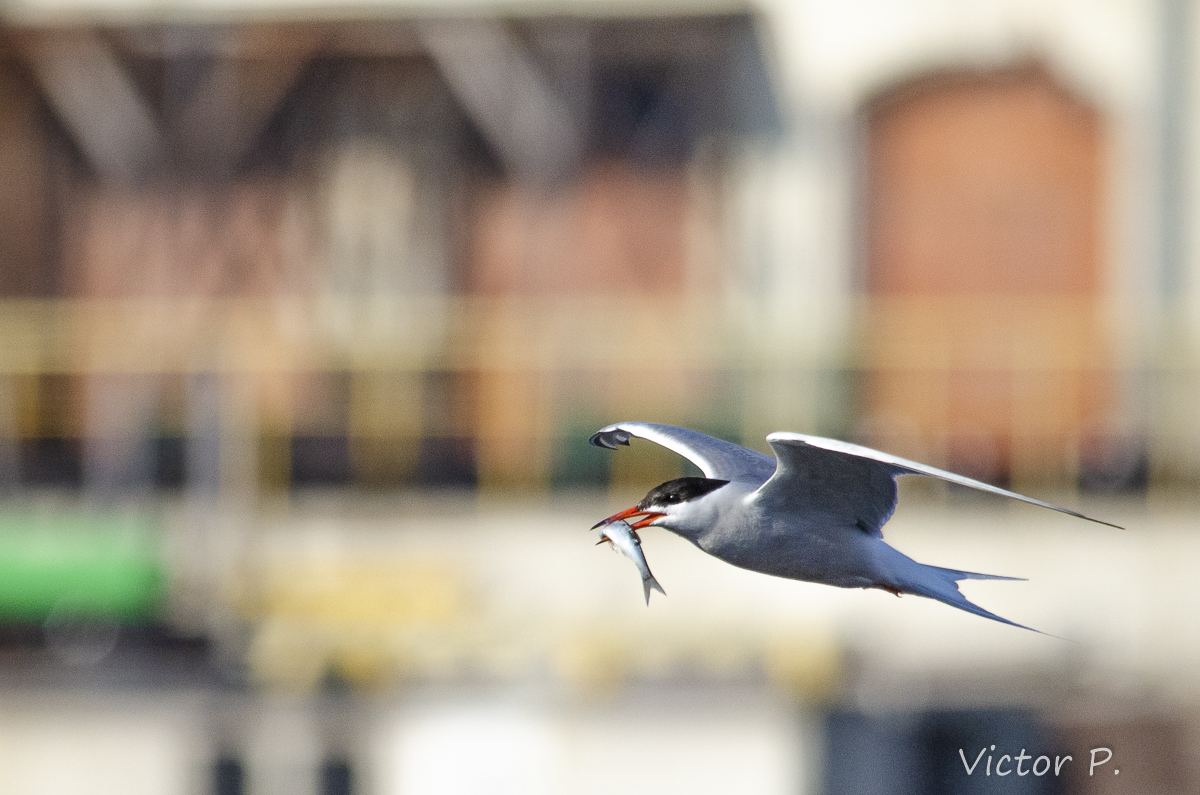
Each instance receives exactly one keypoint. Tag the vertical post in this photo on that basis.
(1174, 426)
(9, 433)
(1173, 120)
(118, 448)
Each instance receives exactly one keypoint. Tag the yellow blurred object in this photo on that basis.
(807, 665)
(598, 661)
(395, 594)
(366, 622)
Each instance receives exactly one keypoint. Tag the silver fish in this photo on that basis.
(625, 539)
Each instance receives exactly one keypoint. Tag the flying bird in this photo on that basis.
(815, 513)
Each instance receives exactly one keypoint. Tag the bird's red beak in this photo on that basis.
(647, 518)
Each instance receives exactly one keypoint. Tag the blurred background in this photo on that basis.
(308, 309)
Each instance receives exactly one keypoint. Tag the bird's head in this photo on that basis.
(684, 505)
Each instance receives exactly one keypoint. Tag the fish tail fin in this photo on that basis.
(651, 583)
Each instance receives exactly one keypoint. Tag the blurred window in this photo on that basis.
(918, 753)
(229, 777)
(985, 343)
(336, 777)
(242, 255)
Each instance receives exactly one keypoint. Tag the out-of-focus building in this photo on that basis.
(307, 312)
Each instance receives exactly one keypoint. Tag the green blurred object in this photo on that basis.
(578, 464)
(98, 565)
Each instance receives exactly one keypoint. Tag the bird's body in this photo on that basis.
(814, 548)
(815, 513)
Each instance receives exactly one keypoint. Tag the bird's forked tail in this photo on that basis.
(935, 582)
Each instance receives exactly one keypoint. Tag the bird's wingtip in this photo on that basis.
(1089, 518)
(610, 437)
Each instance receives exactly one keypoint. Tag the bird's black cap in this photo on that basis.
(680, 490)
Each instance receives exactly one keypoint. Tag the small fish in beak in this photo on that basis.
(644, 518)
(625, 539)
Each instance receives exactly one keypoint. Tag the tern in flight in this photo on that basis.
(815, 513)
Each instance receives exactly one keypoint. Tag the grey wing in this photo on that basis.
(716, 458)
(858, 480)
(844, 489)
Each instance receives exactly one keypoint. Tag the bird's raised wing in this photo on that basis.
(854, 482)
(716, 458)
